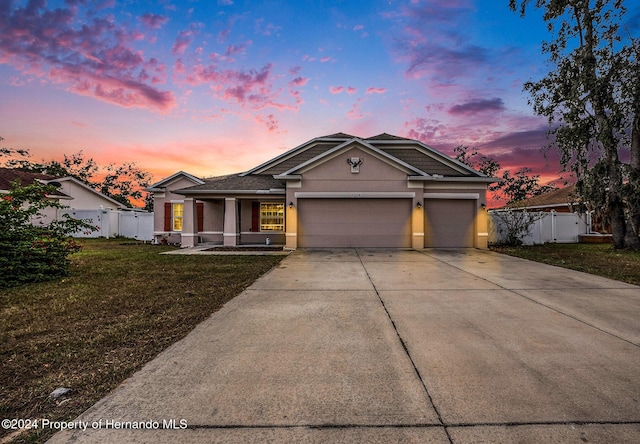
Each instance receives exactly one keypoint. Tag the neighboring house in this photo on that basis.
(332, 191)
(71, 193)
(561, 200)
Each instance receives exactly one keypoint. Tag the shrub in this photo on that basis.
(32, 252)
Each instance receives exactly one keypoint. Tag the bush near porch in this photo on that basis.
(121, 305)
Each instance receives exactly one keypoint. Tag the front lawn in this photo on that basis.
(598, 259)
(122, 304)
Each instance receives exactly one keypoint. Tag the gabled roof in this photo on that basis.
(561, 197)
(419, 161)
(10, 175)
(408, 151)
(159, 186)
(238, 183)
(88, 188)
(355, 142)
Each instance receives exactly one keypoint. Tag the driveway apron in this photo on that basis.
(370, 345)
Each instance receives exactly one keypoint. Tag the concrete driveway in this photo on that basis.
(361, 345)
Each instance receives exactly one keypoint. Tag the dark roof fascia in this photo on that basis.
(450, 161)
(271, 162)
(287, 176)
(556, 205)
(272, 191)
(362, 143)
(438, 178)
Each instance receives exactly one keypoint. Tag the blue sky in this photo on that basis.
(215, 87)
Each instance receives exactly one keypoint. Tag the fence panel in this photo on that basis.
(136, 225)
(110, 223)
(98, 218)
(567, 228)
(548, 227)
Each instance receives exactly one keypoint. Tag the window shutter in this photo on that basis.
(167, 216)
(200, 211)
(255, 216)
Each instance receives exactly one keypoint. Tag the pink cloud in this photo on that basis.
(336, 89)
(351, 90)
(183, 40)
(254, 89)
(372, 90)
(153, 20)
(94, 59)
(269, 121)
(299, 81)
(326, 59)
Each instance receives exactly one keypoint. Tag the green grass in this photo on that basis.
(598, 259)
(122, 304)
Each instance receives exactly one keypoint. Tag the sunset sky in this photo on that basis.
(216, 87)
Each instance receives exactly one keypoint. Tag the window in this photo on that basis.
(178, 213)
(271, 216)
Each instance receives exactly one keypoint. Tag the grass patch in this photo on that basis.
(598, 259)
(122, 304)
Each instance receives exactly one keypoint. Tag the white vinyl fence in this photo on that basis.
(112, 223)
(549, 227)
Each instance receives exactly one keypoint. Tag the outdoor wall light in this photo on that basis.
(483, 206)
(419, 205)
(290, 205)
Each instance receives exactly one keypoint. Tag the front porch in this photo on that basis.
(232, 221)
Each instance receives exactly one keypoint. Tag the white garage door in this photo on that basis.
(354, 223)
(449, 223)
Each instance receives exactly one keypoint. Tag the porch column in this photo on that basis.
(231, 233)
(291, 225)
(417, 222)
(189, 223)
(482, 225)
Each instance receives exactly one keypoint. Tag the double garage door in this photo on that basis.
(354, 223)
(382, 223)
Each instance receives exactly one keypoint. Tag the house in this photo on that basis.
(332, 191)
(70, 191)
(561, 200)
(77, 197)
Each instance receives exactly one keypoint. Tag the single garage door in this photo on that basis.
(449, 223)
(354, 223)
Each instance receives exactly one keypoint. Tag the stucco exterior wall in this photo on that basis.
(84, 199)
(335, 175)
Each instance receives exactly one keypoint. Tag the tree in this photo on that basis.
(511, 189)
(33, 252)
(124, 183)
(513, 222)
(592, 102)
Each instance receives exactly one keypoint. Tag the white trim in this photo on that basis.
(418, 234)
(189, 234)
(354, 194)
(159, 186)
(262, 232)
(209, 232)
(469, 196)
(291, 234)
(483, 234)
(231, 234)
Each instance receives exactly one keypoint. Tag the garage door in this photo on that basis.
(354, 223)
(449, 223)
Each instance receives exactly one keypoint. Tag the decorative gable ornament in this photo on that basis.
(355, 163)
